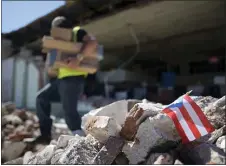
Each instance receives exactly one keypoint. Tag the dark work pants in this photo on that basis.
(68, 91)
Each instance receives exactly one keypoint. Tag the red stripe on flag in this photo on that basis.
(177, 124)
(200, 114)
(190, 122)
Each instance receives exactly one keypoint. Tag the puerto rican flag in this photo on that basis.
(189, 120)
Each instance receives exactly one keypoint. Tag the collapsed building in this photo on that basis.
(143, 38)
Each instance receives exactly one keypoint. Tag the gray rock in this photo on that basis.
(212, 137)
(202, 154)
(109, 151)
(151, 133)
(11, 119)
(18, 161)
(214, 109)
(13, 150)
(160, 159)
(80, 150)
(44, 156)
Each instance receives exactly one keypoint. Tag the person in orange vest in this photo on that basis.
(67, 87)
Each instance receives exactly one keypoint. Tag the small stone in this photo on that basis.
(178, 162)
(160, 159)
(11, 119)
(63, 141)
(221, 143)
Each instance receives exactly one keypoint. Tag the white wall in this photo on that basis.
(32, 85)
(19, 90)
(7, 79)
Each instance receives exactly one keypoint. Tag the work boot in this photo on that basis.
(44, 140)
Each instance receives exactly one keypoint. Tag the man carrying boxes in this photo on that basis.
(70, 74)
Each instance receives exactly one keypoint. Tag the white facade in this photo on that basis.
(21, 80)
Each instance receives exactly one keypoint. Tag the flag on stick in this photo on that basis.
(189, 120)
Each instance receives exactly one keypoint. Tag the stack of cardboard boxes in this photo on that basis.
(60, 47)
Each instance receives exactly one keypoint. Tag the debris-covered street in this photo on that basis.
(148, 137)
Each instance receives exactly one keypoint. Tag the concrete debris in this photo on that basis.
(43, 157)
(12, 150)
(117, 110)
(149, 135)
(17, 127)
(26, 157)
(109, 151)
(124, 132)
(80, 150)
(102, 127)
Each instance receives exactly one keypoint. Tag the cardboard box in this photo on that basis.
(61, 34)
(88, 64)
(49, 43)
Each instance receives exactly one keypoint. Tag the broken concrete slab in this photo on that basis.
(43, 157)
(149, 135)
(108, 152)
(102, 127)
(80, 150)
(117, 110)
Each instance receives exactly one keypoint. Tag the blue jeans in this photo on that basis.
(66, 90)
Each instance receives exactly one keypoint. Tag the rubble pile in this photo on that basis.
(18, 126)
(135, 132)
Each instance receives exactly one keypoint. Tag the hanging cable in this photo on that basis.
(137, 51)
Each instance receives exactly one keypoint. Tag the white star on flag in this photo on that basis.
(188, 118)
